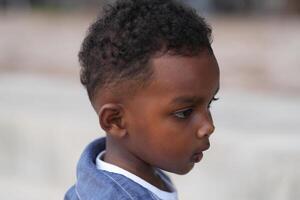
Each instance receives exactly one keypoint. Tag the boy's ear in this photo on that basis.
(111, 119)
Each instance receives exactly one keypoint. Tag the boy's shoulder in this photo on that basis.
(93, 183)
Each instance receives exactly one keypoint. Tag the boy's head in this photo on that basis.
(121, 43)
(151, 75)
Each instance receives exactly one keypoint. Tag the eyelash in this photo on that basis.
(214, 99)
(188, 111)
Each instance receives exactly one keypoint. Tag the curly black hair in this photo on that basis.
(120, 43)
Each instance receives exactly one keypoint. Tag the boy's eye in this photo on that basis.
(183, 114)
(213, 99)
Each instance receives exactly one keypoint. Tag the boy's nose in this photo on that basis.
(206, 127)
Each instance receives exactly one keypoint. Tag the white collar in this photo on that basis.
(163, 195)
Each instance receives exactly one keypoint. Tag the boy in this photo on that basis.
(151, 75)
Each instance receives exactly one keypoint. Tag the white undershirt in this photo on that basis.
(163, 195)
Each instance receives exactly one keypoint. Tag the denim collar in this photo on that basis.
(93, 183)
(88, 176)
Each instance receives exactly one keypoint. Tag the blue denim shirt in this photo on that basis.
(95, 184)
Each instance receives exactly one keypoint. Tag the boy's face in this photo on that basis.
(169, 121)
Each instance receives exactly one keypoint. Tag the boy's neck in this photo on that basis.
(127, 161)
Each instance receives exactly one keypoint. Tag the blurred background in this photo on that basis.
(46, 119)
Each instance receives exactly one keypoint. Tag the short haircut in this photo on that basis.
(120, 43)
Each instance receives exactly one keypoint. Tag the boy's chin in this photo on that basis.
(182, 171)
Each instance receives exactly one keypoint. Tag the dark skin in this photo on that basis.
(165, 125)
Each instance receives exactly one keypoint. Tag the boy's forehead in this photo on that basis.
(181, 72)
(178, 80)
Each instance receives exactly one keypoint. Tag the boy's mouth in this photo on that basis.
(198, 155)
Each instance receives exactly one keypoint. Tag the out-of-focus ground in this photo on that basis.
(46, 119)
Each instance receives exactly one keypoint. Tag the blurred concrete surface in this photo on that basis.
(46, 118)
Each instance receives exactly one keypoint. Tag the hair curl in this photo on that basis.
(120, 43)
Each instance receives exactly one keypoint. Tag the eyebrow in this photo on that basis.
(189, 99)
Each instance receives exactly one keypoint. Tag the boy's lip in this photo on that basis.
(198, 154)
(202, 148)
(197, 157)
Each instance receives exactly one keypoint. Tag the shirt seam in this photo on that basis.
(76, 191)
(118, 185)
(153, 196)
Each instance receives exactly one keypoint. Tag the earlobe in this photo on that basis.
(111, 119)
